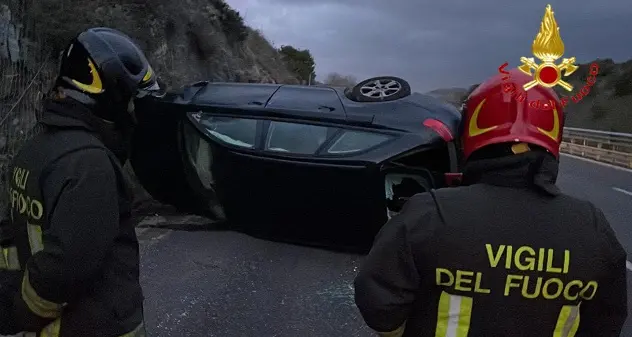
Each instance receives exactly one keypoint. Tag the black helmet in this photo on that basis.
(104, 68)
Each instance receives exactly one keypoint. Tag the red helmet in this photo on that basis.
(499, 110)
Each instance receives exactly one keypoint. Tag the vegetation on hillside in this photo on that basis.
(300, 62)
(186, 41)
(606, 106)
(232, 23)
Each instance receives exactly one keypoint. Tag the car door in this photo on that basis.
(156, 156)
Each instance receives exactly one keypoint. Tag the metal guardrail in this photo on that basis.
(603, 146)
(608, 147)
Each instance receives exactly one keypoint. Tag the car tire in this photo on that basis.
(380, 89)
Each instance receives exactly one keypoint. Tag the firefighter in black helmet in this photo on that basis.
(70, 262)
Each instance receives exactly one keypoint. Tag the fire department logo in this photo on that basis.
(548, 47)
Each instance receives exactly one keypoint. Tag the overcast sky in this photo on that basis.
(439, 43)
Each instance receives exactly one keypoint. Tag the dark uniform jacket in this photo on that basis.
(507, 256)
(70, 236)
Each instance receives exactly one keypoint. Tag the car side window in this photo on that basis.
(240, 132)
(295, 138)
(354, 141)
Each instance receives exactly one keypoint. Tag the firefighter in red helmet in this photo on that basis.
(507, 254)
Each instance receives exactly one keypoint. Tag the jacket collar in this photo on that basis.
(68, 114)
(534, 169)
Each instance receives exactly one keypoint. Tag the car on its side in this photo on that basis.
(316, 165)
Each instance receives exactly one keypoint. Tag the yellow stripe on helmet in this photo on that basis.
(96, 87)
(148, 74)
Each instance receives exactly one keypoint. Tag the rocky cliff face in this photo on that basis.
(603, 105)
(186, 41)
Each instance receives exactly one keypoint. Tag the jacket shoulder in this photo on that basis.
(64, 154)
(63, 143)
(609, 241)
(45, 150)
(420, 217)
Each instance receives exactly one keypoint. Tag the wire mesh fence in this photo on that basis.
(26, 72)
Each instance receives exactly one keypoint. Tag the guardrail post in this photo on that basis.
(598, 155)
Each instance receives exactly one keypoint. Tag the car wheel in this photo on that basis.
(380, 89)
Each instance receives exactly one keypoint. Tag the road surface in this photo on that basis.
(226, 284)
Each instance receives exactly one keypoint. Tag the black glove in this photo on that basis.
(10, 281)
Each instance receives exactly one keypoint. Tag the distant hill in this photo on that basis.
(608, 106)
(452, 95)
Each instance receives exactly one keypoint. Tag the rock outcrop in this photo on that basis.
(186, 41)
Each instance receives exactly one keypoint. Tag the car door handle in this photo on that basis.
(322, 107)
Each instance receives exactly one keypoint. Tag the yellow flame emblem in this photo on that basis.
(548, 47)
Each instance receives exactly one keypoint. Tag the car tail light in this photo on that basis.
(453, 179)
(439, 128)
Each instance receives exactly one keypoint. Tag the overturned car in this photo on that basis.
(310, 164)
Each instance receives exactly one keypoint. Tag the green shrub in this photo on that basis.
(606, 67)
(623, 84)
(599, 110)
(300, 62)
(56, 22)
(232, 23)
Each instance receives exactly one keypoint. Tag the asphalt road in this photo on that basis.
(611, 190)
(217, 283)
